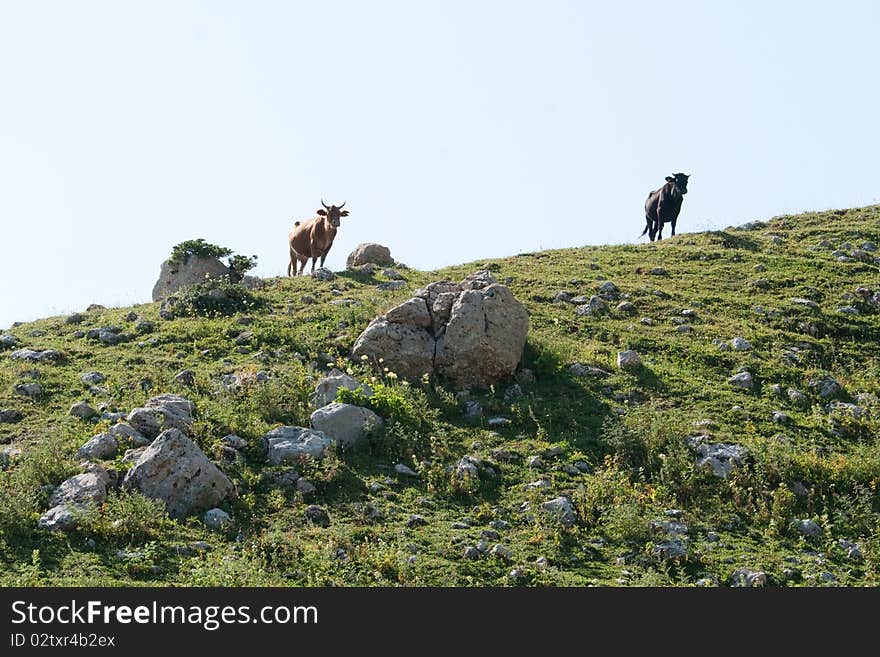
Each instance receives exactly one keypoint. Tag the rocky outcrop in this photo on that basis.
(175, 470)
(328, 387)
(471, 332)
(174, 276)
(369, 253)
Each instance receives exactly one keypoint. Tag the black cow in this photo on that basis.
(664, 204)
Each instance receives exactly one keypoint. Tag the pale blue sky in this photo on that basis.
(456, 131)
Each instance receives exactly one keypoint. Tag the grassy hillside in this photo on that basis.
(615, 444)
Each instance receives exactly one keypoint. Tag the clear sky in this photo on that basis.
(456, 131)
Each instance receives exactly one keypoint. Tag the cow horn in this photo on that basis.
(326, 207)
(343, 204)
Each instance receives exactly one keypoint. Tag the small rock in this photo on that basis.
(561, 509)
(316, 514)
(93, 378)
(628, 360)
(500, 552)
(807, 527)
(416, 520)
(742, 380)
(305, 486)
(470, 552)
(101, 446)
(748, 578)
(498, 421)
(402, 469)
(216, 519)
(185, 378)
(83, 411)
(740, 344)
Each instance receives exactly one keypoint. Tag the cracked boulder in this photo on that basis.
(175, 470)
(472, 332)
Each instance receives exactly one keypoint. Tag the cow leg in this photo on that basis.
(652, 228)
(323, 258)
(659, 230)
(673, 226)
(302, 266)
(314, 260)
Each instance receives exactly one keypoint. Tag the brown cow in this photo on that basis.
(664, 204)
(313, 238)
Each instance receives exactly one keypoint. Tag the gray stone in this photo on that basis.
(10, 416)
(626, 307)
(93, 378)
(674, 548)
(468, 468)
(561, 509)
(740, 344)
(31, 390)
(323, 274)
(233, 441)
(798, 398)
(684, 328)
(124, 431)
(393, 274)
(657, 271)
(101, 446)
(317, 515)
(413, 312)
(562, 297)
(391, 286)
(166, 411)
(580, 370)
(305, 486)
(174, 469)
(780, 418)
(538, 484)
(7, 341)
(288, 444)
(50, 355)
(369, 253)
(132, 455)
(402, 469)
(174, 277)
(826, 386)
(346, 424)
(83, 411)
(498, 421)
(185, 378)
(73, 497)
(406, 350)
(216, 519)
(628, 360)
(742, 380)
(59, 518)
(744, 578)
(809, 303)
(535, 462)
(721, 457)
(501, 552)
(415, 520)
(807, 527)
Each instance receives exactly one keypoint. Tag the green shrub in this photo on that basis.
(128, 518)
(215, 298)
(239, 264)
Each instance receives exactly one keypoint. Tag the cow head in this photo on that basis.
(680, 181)
(333, 213)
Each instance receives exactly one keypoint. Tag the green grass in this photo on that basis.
(629, 427)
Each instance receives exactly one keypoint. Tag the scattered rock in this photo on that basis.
(317, 515)
(498, 421)
(175, 276)
(476, 336)
(175, 470)
(166, 411)
(740, 344)
(626, 307)
(288, 444)
(501, 552)
(827, 386)
(305, 487)
(7, 341)
(93, 378)
(216, 519)
(807, 527)
(721, 457)
(50, 355)
(561, 510)
(674, 548)
(101, 446)
(346, 424)
(580, 370)
(798, 398)
(416, 520)
(10, 416)
(73, 497)
(805, 302)
(402, 469)
(369, 253)
(323, 274)
(780, 418)
(185, 378)
(328, 387)
(744, 578)
(124, 431)
(83, 411)
(658, 271)
(31, 390)
(742, 380)
(628, 360)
